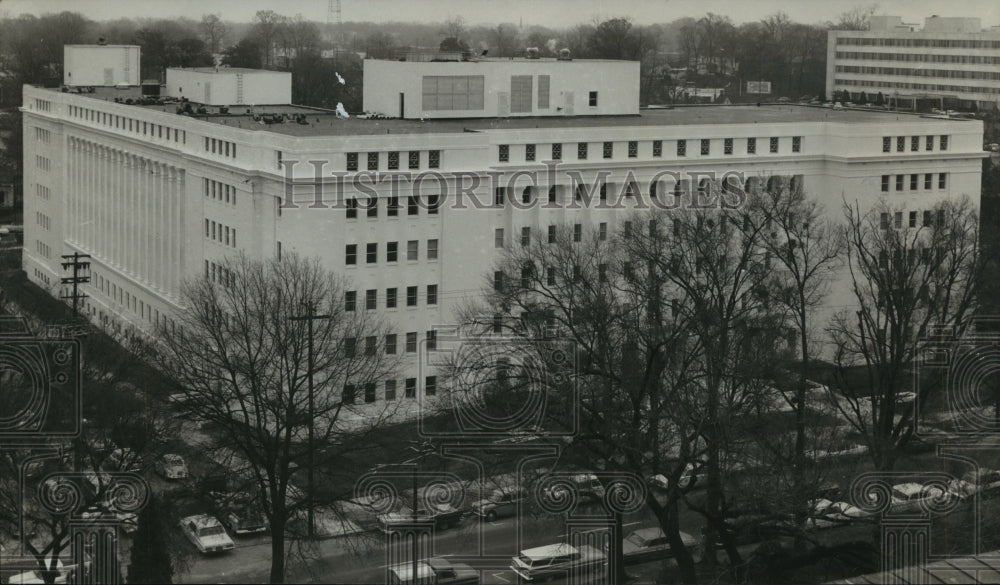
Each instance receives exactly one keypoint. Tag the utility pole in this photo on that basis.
(309, 317)
(73, 261)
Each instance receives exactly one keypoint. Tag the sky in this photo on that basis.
(553, 13)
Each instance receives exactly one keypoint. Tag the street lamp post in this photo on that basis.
(309, 317)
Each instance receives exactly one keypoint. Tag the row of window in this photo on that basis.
(920, 72)
(218, 146)
(43, 163)
(939, 43)
(43, 191)
(391, 298)
(921, 58)
(371, 344)
(391, 252)
(392, 160)
(350, 395)
(43, 135)
(43, 277)
(608, 151)
(43, 220)
(218, 273)
(413, 205)
(933, 87)
(43, 249)
(130, 301)
(914, 143)
(220, 233)
(913, 256)
(130, 124)
(895, 220)
(43, 105)
(942, 182)
(219, 191)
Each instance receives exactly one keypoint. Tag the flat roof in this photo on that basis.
(224, 70)
(320, 122)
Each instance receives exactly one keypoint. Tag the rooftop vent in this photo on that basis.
(531, 52)
(564, 55)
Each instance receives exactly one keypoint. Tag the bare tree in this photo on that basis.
(504, 38)
(856, 18)
(905, 279)
(267, 29)
(282, 400)
(213, 32)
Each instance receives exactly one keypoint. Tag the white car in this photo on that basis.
(172, 466)
(587, 486)
(827, 514)
(207, 534)
(913, 497)
(690, 475)
(556, 560)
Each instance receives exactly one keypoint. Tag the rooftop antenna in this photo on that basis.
(334, 17)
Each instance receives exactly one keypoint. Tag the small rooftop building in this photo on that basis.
(100, 65)
(228, 86)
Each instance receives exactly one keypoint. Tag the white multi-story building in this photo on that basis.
(952, 59)
(155, 197)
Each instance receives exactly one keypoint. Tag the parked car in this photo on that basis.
(502, 503)
(985, 482)
(207, 534)
(691, 475)
(651, 544)
(913, 497)
(587, 485)
(555, 560)
(240, 513)
(433, 571)
(443, 516)
(172, 466)
(106, 510)
(827, 514)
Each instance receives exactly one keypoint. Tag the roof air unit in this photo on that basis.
(564, 55)
(532, 52)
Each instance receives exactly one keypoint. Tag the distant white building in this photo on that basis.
(101, 65)
(227, 86)
(951, 59)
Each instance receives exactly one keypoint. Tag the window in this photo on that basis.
(390, 389)
(553, 196)
(350, 347)
(371, 253)
(593, 99)
(885, 183)
(940, 217)
(432, 294)
(392, 210)
(370, 392)
(657, 148)
(900, 143)
(633, 149)
(433, 204)
(372, 161)
(412, 249)
(557, 151)
(928, 181)
(430, 385)
(434, 159)
(774, 144)
(927, 219)
(432, 249)
(898, 223)
(529, 152)
(930, 142)
(352, 161)
(943, 141)
(411, 296)
(914, 143)
(372, 207)
(391, 251)
(414, 159)
(727, 146)
(394, 161)
(602, 272)
(371, 299)
(603, 231)
(581, 150)
(899, 182)
(504, 153)
(577, 232)
(751, 146)
(706, 146)
(796, 144)
(627, 230)
(942, 180)
(348, 396)
(351, 254)
(914, 181)
(884, 220)
(411, 387)
(390, 298)
(886, 144)
(431, 340)
(412, 205)
(913, 219)
(352, 208)
(526, 195)
(552, 234)
(550, 277)
(497, 323)
(411, 342)
(350, 297)
(609, 149)
(499, 196)
(498, 238)
(498, 280)
(682, 148)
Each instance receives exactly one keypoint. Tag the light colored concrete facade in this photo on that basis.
(156, 198)
(951, 58)
(229, 86)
